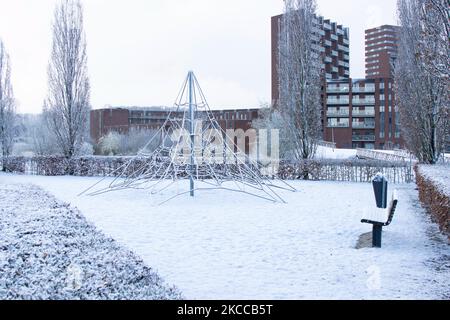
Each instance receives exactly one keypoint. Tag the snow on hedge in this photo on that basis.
(439, 174)
(49, 251)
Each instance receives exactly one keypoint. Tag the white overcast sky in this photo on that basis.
(139, 51)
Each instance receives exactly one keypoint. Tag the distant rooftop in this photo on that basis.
(166, 108)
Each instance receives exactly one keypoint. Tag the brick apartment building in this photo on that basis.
(362, 113)
(381, 51)
(330, 39)
(122, 119)
(357, 113)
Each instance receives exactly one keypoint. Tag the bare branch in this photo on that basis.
(67, 106)
(7, 104)
(299, 74)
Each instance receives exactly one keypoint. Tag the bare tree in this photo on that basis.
(67, 106)
(421, 81)
(435, 15)
(130, 143)
(43, 142)
(7, 104)
(299, 74)
(269, 118)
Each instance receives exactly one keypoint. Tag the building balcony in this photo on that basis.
(338, 113)
(334, 53)
(315, 37)
(328, 59)
(340, 32)
(334, 69)
(363, 125)
(342, 89)
(334, 37)
(366, 89)
(346, 72)
(327, 43)
(367, 101)
(368, 137)
(343, 48)
(343, 64)
(327, 26)
(346, 41)
(338, 101)
(363, 113)
(338, 125)
(346, 57)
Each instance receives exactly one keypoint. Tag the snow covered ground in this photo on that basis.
(334, 153)
(49, 251)
(223, 245)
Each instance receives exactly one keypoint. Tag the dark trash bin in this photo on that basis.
(379, 184)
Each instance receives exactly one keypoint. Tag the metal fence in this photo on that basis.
(354, 170)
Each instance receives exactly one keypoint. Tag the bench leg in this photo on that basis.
(376, 235)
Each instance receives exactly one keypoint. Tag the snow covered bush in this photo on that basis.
(86, 149)
(345, 170)
(110, 144)
(14, 164)
(433, 183)
(48, 251)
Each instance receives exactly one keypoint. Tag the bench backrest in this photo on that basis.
(392, 206)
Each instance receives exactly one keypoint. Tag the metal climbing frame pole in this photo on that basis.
(191, 129)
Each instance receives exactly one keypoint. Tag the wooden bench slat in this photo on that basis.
(383, 217)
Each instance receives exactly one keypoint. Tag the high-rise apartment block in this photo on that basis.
(362, 113)
(381, 51)
(330, 39)
(357, 113)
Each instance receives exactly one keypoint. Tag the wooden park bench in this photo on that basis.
(380, 218)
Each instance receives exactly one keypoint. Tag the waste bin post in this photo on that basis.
(379, 184)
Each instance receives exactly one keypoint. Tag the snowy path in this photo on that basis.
(230, 246)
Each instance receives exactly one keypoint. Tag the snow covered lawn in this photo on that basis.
(231, 246)
(49, 251)
(335, 153)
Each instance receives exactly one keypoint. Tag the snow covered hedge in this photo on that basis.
(434, 192)
(58, 165)
(49, 251)
(352, 170)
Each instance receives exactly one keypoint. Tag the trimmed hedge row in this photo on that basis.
(353, 170)
(436, 202)
(333, 170)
